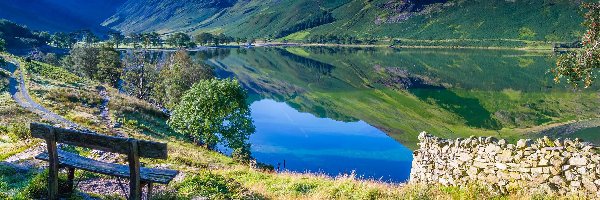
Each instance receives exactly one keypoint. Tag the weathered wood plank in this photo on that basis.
(147, 149)
(67, 159)
(52, 166)
(71, 179)
(135, 189)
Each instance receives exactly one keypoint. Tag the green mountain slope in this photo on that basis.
(548, 20)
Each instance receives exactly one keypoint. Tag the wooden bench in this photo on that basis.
(134, 149)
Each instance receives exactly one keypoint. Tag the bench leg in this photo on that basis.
(70, 179)
(149, 192)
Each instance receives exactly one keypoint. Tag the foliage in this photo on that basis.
(151, 38)
(1, 50)
(116, 38)
(52, 72)
(19, 131)
(38, 186)
(51, 58)
(578, 67)
(318, 19)
(208, 38)
(18, 37)
(62, 40)
(84, 61)
(109, 66)
(180, 40)
(214, 111)
(177, 76)
(2, 44)
(209, 185)
(102, 64)
(140, 75)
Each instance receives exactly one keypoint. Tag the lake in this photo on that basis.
(343, 110)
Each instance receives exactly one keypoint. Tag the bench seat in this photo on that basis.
(148, 175)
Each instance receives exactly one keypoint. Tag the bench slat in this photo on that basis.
(146, 149)
(67, 159)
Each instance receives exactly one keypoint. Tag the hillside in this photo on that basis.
(64, 15)
(556, 20)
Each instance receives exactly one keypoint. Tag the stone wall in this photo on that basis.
(550, 166)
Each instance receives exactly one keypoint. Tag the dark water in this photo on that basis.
(344, 110)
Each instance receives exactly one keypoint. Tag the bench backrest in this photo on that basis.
(146, 149)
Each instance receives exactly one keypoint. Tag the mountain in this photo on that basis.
(63, 15)
(547, 20)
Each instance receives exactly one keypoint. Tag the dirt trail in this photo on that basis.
(18, 91)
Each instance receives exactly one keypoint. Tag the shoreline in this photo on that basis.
(260, 45)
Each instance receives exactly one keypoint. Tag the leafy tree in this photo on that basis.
(51, 58)
(62, 40)
(204, 38)
(84, 61)
(139, 76)
(215, 111)
(134, 39)
(2, 44)
(180, 40)
(116, 38)
(87, 37)
(109, 65)
(579, 66)
(1, 50)
(177, 76)
(17, 36)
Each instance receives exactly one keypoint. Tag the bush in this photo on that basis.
(38, 186)
(209, 185)
(19, 131)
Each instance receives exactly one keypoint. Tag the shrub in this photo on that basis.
(38, 186)
(19, 131)
(214, 111)
(209, 185)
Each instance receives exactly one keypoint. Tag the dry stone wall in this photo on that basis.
(549, 166)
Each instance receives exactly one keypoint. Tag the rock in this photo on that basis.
(575, 184)
(555, 166)
(578, 161)
(522, 143)
(537, 170)
(589, 185)
(501, 166)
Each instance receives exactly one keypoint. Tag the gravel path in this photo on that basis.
(18, 91)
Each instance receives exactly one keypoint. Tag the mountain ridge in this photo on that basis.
(549, 20)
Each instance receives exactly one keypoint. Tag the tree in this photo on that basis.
(578, 67)
(116, 38)
(139, 76)
(51, 58)
(87, 37)
(215, 111)
(204, 38)
(177, 76)
(62, 40)
(84, 60)
(180, 40)
(2, 44)
(109, 66)
(134, 39)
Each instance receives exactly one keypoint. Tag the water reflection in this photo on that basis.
(309, 143)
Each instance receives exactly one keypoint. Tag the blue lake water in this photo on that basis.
(322, 145)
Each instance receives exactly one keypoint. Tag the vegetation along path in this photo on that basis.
(18, 91)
